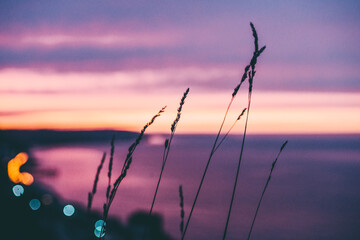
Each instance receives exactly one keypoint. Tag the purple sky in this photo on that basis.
(308, 36)
(312, 46)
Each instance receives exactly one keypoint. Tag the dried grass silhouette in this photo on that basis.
(125, 168)
(168, 145)
(265, 187)
(228, 132)
(112, 150)
(93, 192)
(182, 211)
(249, 73)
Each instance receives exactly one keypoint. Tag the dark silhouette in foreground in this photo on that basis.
(20, 221)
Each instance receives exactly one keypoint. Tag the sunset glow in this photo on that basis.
(114, 71)
(271, 113)
(120, 110)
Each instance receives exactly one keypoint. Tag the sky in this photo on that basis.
(91, 64)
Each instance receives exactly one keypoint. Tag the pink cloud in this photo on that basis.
(96, 36)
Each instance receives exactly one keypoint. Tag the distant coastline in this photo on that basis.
(29, 138)
(33, 137)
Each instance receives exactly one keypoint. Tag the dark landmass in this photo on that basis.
(49, 222)
(54, 137)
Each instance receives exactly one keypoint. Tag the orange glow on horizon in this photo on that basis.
(80, 101)
(14, 170)
(280, 120)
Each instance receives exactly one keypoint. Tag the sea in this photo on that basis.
(313, 193)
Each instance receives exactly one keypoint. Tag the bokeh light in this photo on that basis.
(46, 199)
(14, 170)
(27, 178)
(18, 190)
(34, 204)
(69, 210)
(99, 224)
(98, 233)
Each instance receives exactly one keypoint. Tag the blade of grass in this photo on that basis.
(168, 145)
(251, 75)
(238, 169)
(206, 167)
(232, 126)
(265, 187)
(112, 150)
(236, 89)
(126, 166)
(92, 193)
(110, 167)
(182, 212)
(129, 157)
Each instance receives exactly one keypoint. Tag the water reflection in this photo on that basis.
(312, 194)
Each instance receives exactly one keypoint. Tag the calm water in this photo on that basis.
(314, 192)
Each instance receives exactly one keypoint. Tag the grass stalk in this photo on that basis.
(110, 167)
(238, 169)
(112, 150)
(168, 145)
(265, 187)
(251, 74)
(232, 126)
(92, 193)
(214, 147)
(126, 166)
(206, 168)
(182, 212)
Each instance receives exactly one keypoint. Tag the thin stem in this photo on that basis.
(92, 193)
(129, 158)
(112, 150)
(168, 144)
(251, 75)
(256, 54)
(107, 202)
(265, 187)
(182, 212)
(166, 152)
(238, 167)
(126, 166)
(206, 167)
(228, 132)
